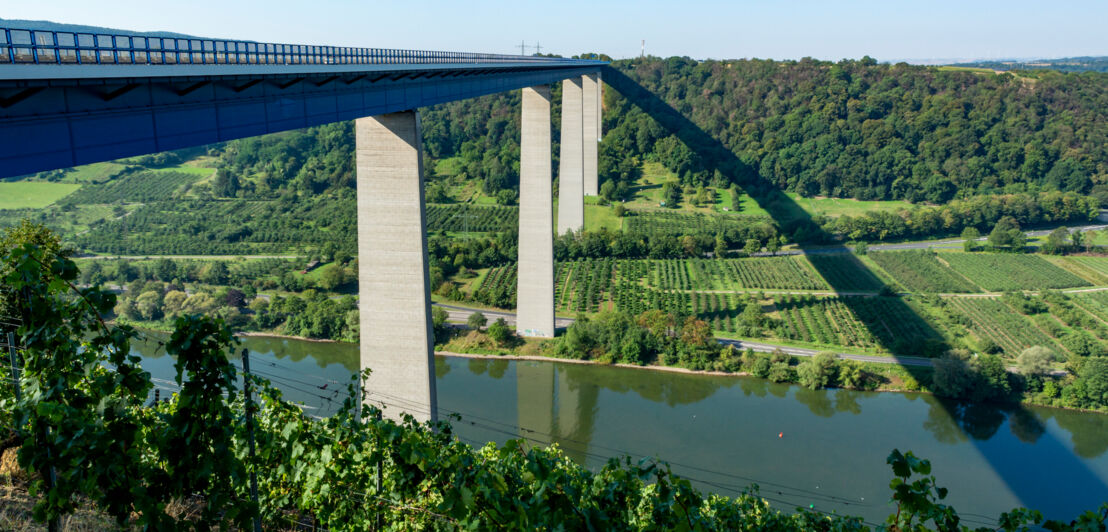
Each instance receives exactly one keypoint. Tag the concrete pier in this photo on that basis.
(535, 291)
(590, 87)
(395, 304)
(571, 204)
(599, 107)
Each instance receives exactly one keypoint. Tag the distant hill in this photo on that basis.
(1065, 64)
(80, 28)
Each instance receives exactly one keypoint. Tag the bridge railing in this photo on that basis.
(54, 47)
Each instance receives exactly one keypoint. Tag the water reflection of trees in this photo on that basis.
(956, 422)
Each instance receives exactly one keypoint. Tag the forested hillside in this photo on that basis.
(848, 129)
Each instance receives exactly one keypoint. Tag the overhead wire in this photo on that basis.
(777, 493)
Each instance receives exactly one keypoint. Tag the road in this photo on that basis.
(458, 313)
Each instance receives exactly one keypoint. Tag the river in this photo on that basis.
(825, 449)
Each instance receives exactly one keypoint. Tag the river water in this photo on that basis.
(823, 449)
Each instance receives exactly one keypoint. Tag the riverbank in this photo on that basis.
(541, 358)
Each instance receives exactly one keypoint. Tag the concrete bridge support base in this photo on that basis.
(395, 305)
(535, 293)
(571, 205)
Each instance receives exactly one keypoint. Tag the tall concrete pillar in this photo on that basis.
(571, 205)
(590, 113)
(535, 290)
(395, 297)
(599, 107)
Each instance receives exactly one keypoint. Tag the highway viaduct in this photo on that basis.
(70, 99)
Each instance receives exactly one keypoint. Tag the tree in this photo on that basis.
(619, 210)
(148, 305)
(752, 246)
(1007, 234)
(773, 246)
(198, 303)
(499, 331)
(165, 270)
(720, 251)
(608, 191)
(1056, 241)
(235, 298)
(1078, 239)
(506, 197)
(736, 198)
(671, 194)
(476, 320)
(970, 235)
(861, 247)
(1035, 361)
(173, 301)
(992, 376)
(216, 273)
(332, 277)
(438, 322)
(952, 377)
(817, 372)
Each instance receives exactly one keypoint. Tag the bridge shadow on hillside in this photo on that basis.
(890, 320)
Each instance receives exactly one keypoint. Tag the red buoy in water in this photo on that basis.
(780, 434)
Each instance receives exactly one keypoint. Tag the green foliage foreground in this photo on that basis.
(84, 430)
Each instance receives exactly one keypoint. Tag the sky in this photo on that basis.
(888, 30)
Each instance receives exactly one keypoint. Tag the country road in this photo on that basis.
(458, 313)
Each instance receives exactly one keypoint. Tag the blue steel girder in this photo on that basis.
(57, 116)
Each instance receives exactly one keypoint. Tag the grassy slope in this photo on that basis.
(33, 195)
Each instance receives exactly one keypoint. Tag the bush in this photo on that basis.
(1035, 361)
(476, 320)
(818, 371)
(499, 332)
(780, 372)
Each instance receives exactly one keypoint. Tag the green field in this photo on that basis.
(921, 271)
(997, 272)
(993, 320)
(32, 194)
(1099, 265)
(93, 173)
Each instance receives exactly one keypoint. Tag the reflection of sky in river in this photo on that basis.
(723, 432)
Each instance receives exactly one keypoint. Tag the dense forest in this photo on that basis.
(848, 129)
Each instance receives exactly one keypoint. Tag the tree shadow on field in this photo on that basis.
(890, 320)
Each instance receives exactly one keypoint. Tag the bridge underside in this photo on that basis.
(106, 113)
(67, 115)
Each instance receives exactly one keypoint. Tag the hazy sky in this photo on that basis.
(884, 29)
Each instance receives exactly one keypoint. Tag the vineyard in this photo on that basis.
(474, 218)
(992, 319)
(676, 224)
(581, 286)
(498, 288)
(1097, 264)
(781, 273)
(998, 272)
(240, 227)
(821, 320)
(921, 271)
(845, 273)
(143, 186)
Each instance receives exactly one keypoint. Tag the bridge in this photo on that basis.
(69, 99)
